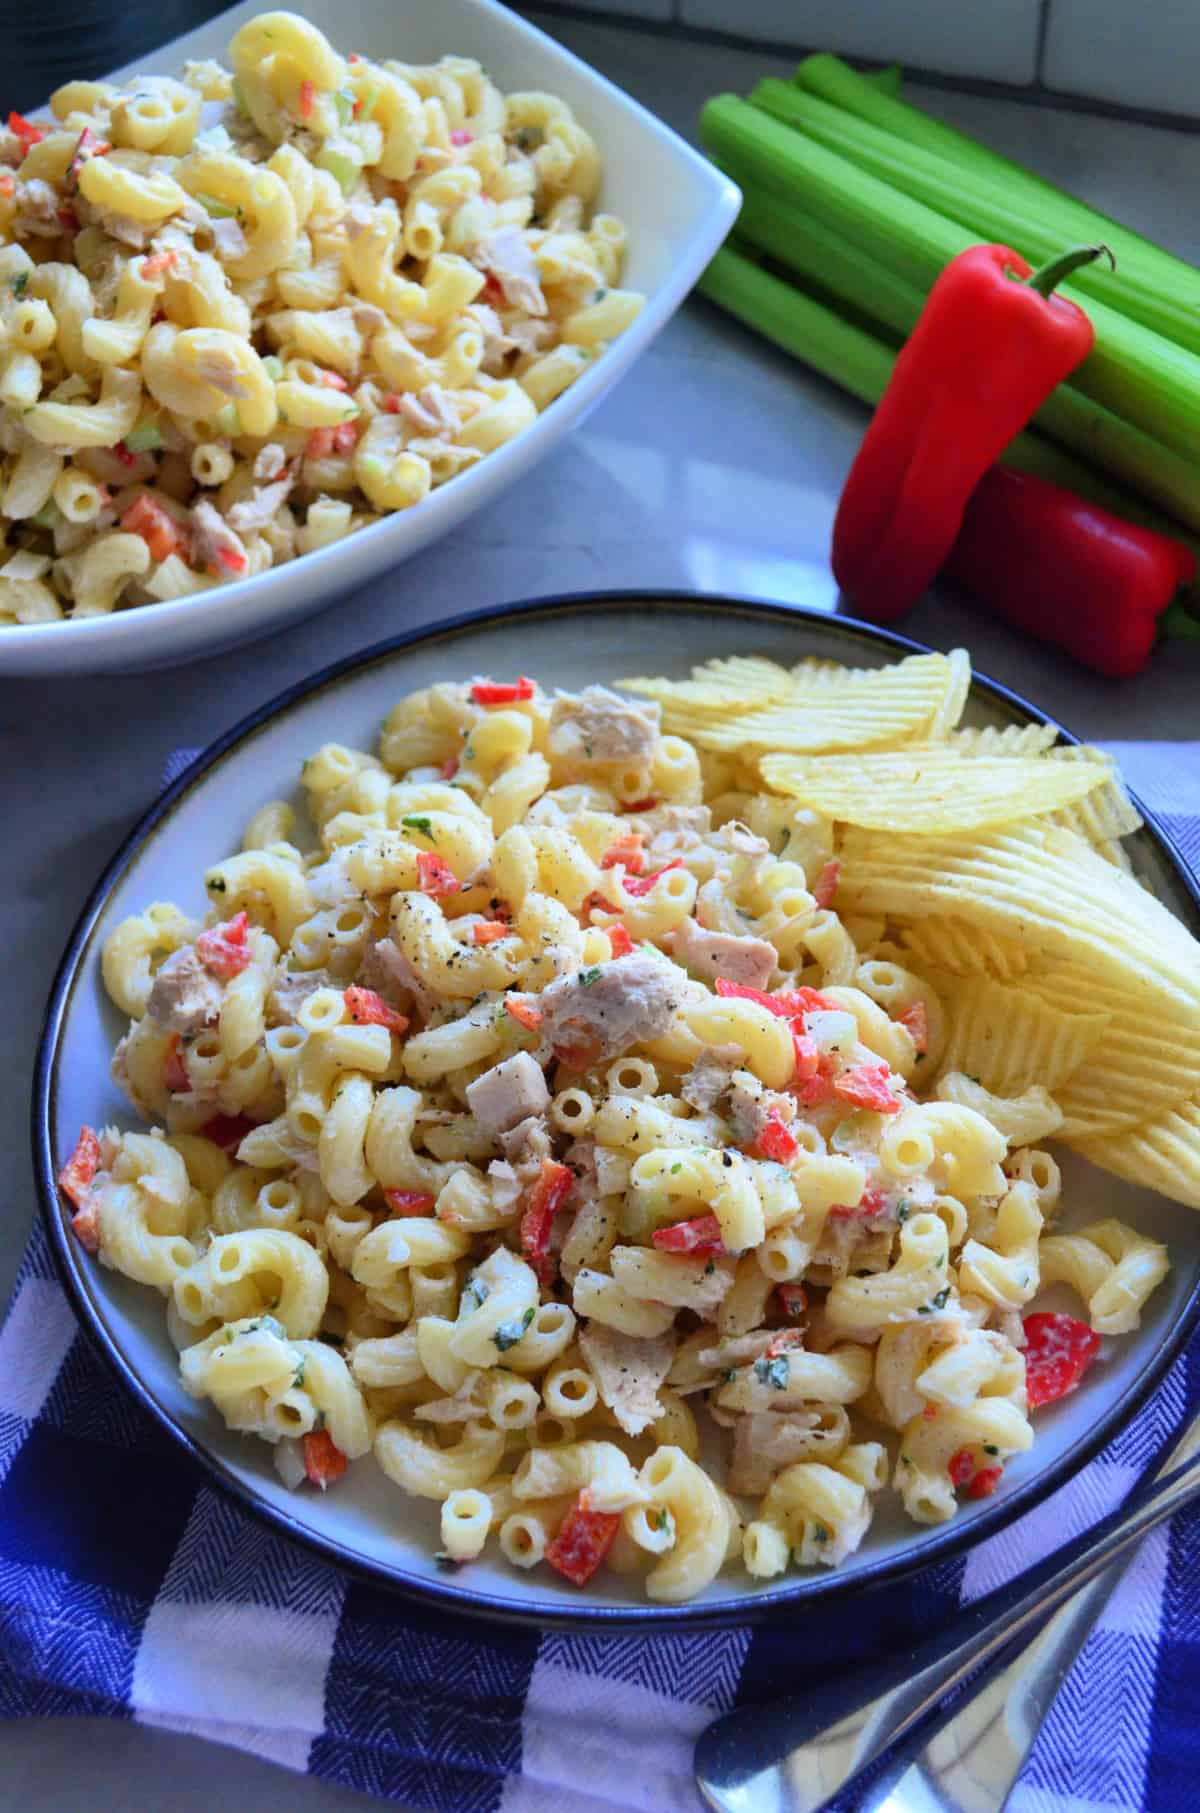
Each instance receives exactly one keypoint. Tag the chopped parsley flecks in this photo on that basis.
(773, 1372)
(509, 1333)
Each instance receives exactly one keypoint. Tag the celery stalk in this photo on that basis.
(862, 364)
(889, 80)
(847, 355)
(834, 81)
(1136, 373)
(998, 211)
(848, 271)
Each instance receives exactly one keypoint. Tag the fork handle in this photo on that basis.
(808, 1748)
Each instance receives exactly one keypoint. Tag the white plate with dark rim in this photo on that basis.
(677, 206)
(367, 1524)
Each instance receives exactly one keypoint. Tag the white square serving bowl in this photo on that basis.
(677, 207)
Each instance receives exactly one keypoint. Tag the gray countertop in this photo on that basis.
(715, 465)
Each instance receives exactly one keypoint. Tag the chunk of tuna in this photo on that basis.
(508, 1093)
(750, 962)
(602, 1012)
(185, 997)
(629, 1371)
(597, 725)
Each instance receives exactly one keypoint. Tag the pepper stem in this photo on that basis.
(1046, 279)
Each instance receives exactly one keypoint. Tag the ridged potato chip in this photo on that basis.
(944, 942)
(875, 708)
(1006, 739)
(1146, 1061)
(1042, 887)
(738, 683)
(928, 788)
(1009, 1039)
(1103, 816)
(1161, 1154)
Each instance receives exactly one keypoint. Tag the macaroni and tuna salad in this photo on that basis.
(246, 312)
(625, 1114)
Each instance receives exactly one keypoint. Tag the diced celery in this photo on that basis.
(343, 168)
(145, 438)
(218, 209)
(227, 421)
(343, 101)
(273, 367)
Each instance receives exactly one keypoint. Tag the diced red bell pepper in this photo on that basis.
(545, 1200)
(985, 1482)
(324, 1461)
(25, 130)
(524, 1013)
(640, 885)
(961, 1467)
(8, 185)
(366, 1008)
(620, 943)
(775, 1142)
(449, 768)
(122, 453)
(333, 380)
(701, 1236)
(487, 931)
(1058, 1351)
(409, 1202)
(87, 146)
(641, 805)
(583, 1540)
(345, 437)
(502, 692)
(390, 404)
(307, 97)
(75, 1178)
(232, 558)
(460, 136)
(866, 1086)
(626, 849)
(825, 886)
(176, 1080)
(916, 1020)
(788, 1005)
(156, 526)
(871, 1202)
(223, 949)
(786, 1341)
(793, 1300)
(818, 1090)
(319, 444)
(435, 877)
(157, 263)
(68, 220)
(227, 1130)
(807, 1056)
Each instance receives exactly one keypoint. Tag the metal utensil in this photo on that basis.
(794, 1755)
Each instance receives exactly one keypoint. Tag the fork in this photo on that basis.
(794, 1755)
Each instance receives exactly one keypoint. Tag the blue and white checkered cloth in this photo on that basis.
(129, 1588)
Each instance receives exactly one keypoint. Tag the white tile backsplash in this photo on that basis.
(994, 40)
(1128, 51)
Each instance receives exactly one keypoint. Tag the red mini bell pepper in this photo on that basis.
(992, 342)
(1066, 571)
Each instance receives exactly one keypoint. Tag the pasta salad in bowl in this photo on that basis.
(627, 1136)
(256, 307)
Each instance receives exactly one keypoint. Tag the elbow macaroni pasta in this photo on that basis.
(309, 276)
(515, 1201)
